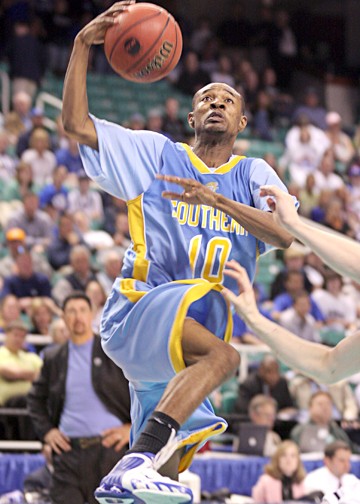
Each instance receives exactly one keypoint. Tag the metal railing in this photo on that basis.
(43, 99)
(5, 92)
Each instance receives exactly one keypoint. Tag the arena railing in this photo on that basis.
(5, 92)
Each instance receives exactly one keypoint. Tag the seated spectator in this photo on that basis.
(305, 145)
(224, 72)
(284, 476)
(37, 224)
(55, 194)
(10, 310)
(335, 472)
(15, 243)
(294, 285)
(311, 109)
(40, 157)
(18, 119)
(112, 263)
(172, 124)
(7, 162)
(60, 247)
(26, 284)
(85, 199)
(18, 369)
(266, 380)
(41, 315)
(338, 309)
(343, 398)
(337, 219)
(97, 296)
(262, 118)
(262, 411)
(21, 184)
(341, 143)
(321, 416)
(192, 77)
(308, 196)
(121, 232)
(325, 178)
(79, 277)
(59, 331)
(154, 122)
(299, 320)
(95, 239)
(37, 121)
(353, 193)
(69, 156)
(137, 122)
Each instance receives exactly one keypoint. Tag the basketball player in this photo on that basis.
(324, 364)
(165, 321)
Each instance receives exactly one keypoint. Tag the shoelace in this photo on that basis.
(167, 451)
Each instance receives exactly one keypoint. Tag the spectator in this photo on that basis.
(309, 196)
(321, 416)
(26, 284)
(299, 320)
(58, 331)
(21, 184)
(86, 200)
(18, 120)
(82, 412)
(341, 143)
(7, 162)
(137, 122)
(192, 77)
(224, 72)
(26, 58)
(266, 380)
(305, 145)
(343, 398)
(325, 178)
(18, 369)
(40, 157)
(154, 122)
(60, 247)
(335, 472)
(311, 109)
(262, 411)
(15, 243)
(36, 224)
(294, 285)
(353, 191)
(339, 310)
(55, 194)
(121, 232)
(172, 124)
(97, 296)
(78, 279)
(336, 217)
(69, 156)
(41, 316)
(37, 121)
(112, 264)
(284, 476)
(10, 311)
(37, 483)
(262, 118)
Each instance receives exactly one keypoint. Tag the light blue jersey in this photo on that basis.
(174, 267)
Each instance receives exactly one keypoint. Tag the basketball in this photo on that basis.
(145, 45)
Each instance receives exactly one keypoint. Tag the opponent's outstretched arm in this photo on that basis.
(75, 111)
(257, 222)
(340, 253)
(324, 364)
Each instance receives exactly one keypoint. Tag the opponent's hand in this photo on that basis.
(194, 193)
(282, 206)
(116, 437)
(57, 441)
(94, 32)
(245, 303)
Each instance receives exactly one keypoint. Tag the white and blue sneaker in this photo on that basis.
(135, 480)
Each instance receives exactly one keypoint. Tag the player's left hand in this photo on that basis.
(194, 193)
(245, 303)
(116, 437)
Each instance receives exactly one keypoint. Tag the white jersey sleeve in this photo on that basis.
(127, 161)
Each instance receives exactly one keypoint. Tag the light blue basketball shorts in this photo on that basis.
(141, 332)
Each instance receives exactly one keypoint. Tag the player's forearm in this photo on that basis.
(257, 222)
(75, 111)
(309, 358)
(340, 253)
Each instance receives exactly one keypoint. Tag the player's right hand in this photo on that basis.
(94, 32)
(57, 441)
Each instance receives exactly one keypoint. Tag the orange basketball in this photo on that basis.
(145, 45)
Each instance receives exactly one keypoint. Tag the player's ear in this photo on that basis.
(191, 120)
(242, 123)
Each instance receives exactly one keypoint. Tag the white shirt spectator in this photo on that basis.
(42, 165)
(324, 480)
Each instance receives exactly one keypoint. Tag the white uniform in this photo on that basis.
(349, 495)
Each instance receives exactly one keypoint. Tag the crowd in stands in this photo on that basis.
(60, 233)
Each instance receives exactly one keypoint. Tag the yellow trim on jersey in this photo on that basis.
(195, 439)
(137, 233)
(127, 289)
(200, 289)
(201, 166)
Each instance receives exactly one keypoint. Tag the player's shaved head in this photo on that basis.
(222, 86)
